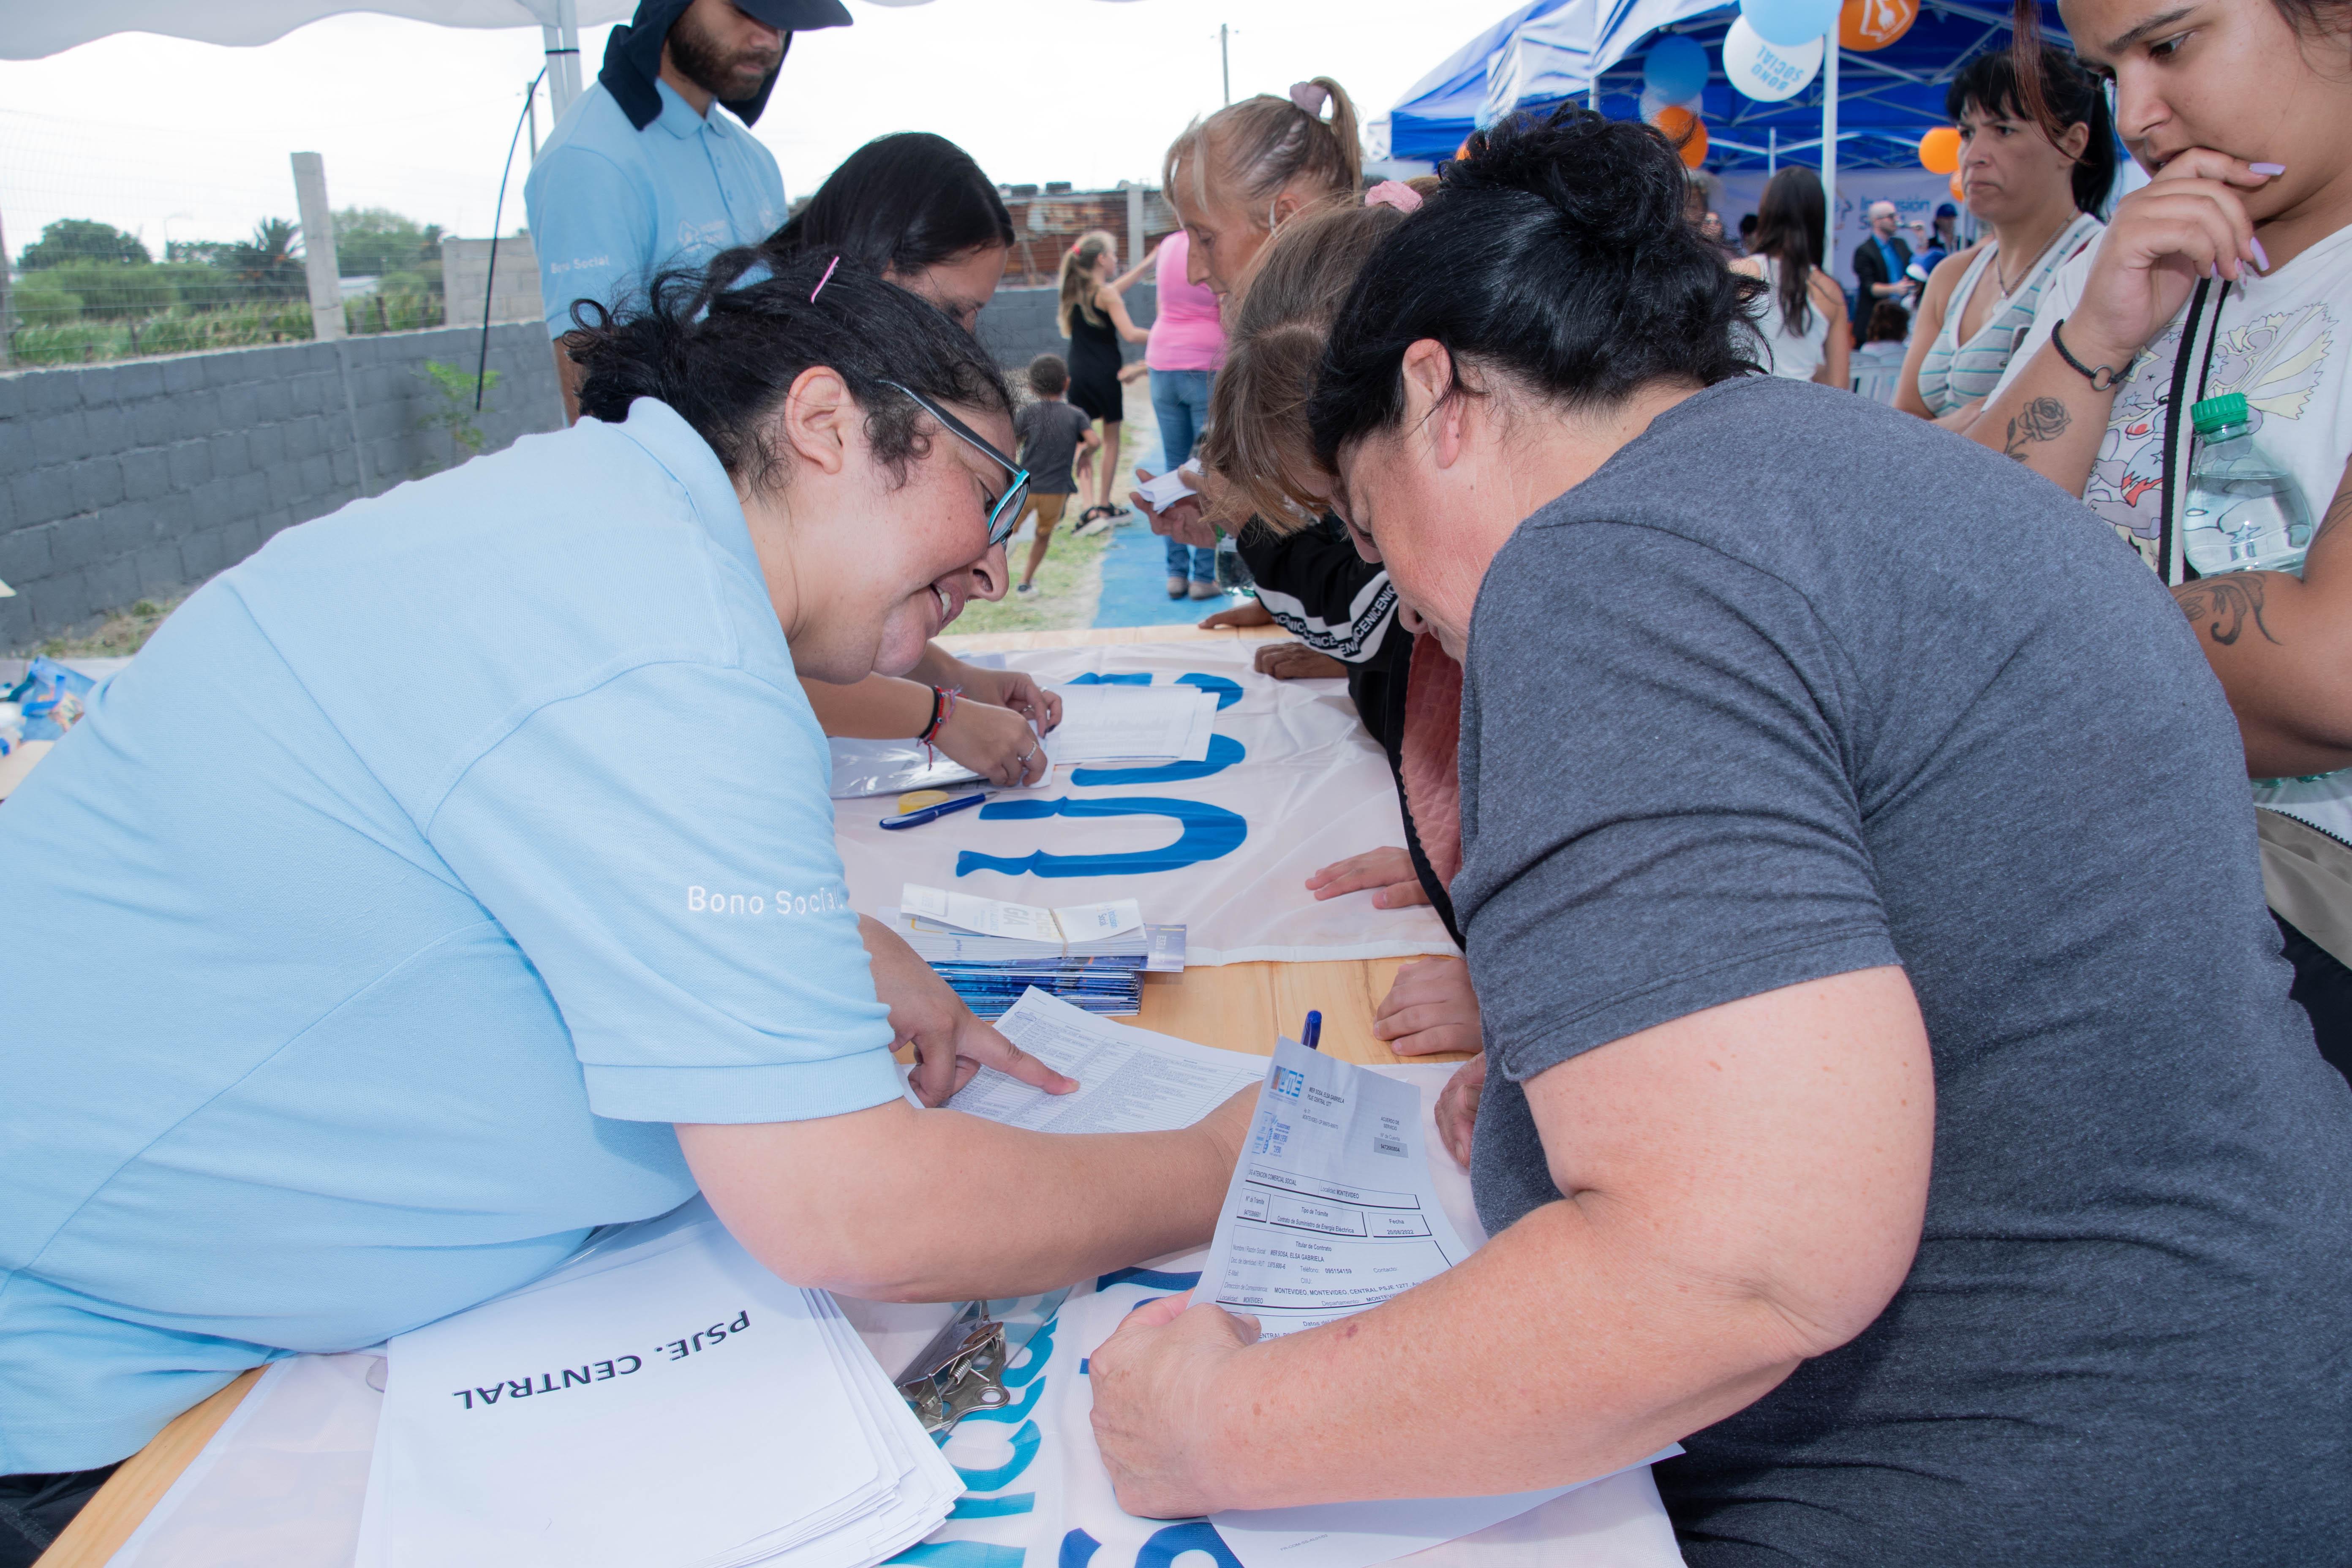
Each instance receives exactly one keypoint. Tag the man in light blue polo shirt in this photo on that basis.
(640, 174)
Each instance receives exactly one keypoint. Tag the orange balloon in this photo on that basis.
(1686, 131)
(1939, 150)
(1867, 24)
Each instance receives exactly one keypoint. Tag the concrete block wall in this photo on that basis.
(1019, 325)
(140, 478)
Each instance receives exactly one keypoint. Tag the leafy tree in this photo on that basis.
(270, 264)
(205, 252)
(109, 289)
(71, 239)
(372, 242)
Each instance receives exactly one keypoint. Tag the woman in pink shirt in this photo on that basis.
(1187, 343)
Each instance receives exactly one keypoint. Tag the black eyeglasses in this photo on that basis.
(1006, 516)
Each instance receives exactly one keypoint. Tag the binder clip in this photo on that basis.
(961, 1371)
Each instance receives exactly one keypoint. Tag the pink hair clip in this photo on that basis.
(823, 280)
(1310, 96)
(1393, 194)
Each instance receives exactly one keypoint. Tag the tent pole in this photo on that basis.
(1772, 152)
(562, 49)
(1830, 141)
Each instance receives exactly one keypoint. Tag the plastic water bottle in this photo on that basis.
(2245, 512)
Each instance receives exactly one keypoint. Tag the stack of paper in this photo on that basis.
(1129, 1079)
(671, 1403)
(1133, 723)
(1092, 956)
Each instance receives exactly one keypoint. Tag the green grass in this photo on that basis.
(1069, 585)
(121, 633)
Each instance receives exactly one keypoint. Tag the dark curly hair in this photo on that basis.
(1556, 252)
(899, 204)
(2067, 95)
(723, 352)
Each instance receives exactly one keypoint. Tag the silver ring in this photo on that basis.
(1027, 755)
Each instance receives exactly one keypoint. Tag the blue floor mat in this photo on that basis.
(1135, 582)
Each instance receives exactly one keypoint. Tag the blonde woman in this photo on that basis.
(1092, 316)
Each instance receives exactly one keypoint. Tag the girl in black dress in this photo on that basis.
(1093, 318)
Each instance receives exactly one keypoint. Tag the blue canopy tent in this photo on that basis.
(1553, 50)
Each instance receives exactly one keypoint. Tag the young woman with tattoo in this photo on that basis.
(2230, 271)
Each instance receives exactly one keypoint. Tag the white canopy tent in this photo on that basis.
(32, 29)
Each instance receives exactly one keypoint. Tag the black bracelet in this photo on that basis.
(2095, 378)
(940, 711)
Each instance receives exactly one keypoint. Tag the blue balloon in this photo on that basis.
(1675, 69)
(1790, 22)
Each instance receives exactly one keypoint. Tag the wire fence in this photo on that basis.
(117, 248)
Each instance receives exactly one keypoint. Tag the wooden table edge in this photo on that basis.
(129, 1494)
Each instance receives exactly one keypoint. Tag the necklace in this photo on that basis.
(2006, 288)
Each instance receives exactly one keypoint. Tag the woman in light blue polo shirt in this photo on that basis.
(457, 874)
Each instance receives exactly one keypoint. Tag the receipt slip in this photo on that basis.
(1067, 926)
(670, 1403)
(1166, 490)
(1331, 1209)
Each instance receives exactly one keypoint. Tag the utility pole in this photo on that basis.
(7, 323)
(1224, 62)
(318, 248)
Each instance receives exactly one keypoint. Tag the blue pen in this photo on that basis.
(1311, 1036)
(932, 813)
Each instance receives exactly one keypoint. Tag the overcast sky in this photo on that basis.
(186, 140)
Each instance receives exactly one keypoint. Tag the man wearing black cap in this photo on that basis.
(640, 175)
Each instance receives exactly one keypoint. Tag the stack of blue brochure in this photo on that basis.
(1093, 957)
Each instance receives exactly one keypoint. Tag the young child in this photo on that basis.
(1052, 433)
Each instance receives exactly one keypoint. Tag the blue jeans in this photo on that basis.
(1180, 402)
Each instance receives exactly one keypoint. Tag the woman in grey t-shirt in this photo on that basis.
(1927, 1143)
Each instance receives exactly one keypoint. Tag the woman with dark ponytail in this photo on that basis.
(2042, 197)
(1780, 893)
(915, 208)
(1803, 323)
(457, 876)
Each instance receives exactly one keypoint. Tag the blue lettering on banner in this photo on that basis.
(1209, 832)
(1228, 691)
(963, 1554)
(1193, 1535)
(1091, 678)
(1024, 1449)
(994, 1507)
(1078, 1549)
(1150, 1279)
(1223, 753)
(1035, 1354)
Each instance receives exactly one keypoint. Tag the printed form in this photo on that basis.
(1331, 1209)
(1129, 1079)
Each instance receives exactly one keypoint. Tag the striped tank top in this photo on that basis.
(1954, 371)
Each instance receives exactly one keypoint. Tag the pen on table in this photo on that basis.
(1312, 1034)
(932, 813)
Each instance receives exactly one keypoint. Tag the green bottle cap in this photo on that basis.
(2214, 412)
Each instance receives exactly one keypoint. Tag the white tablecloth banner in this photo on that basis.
(283, 1482)
(1292, 783)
